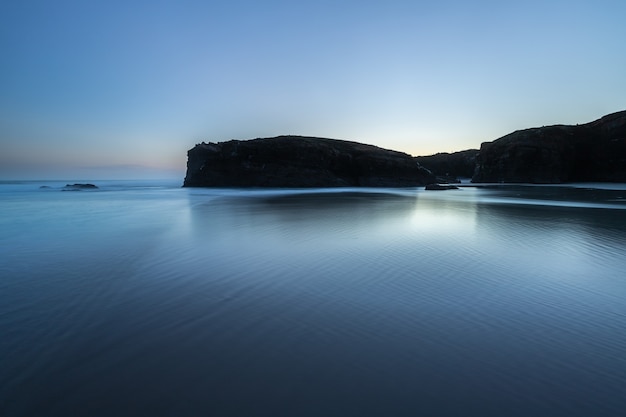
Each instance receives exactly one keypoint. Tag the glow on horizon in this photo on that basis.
(139, 83)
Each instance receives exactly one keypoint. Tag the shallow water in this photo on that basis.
(149, 299)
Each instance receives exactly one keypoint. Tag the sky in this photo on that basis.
(122, 89)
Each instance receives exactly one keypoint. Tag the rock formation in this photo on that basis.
(79, 187)
(594, 151)
(449, 167)
(297, 161)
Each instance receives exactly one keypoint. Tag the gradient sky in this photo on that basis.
(122, 88)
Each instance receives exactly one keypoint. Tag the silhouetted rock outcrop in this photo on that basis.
(449, 167)
(594, 151)
(297, 161)
(440, 187)
(79, 187)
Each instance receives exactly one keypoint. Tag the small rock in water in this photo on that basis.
(78, 187)
(439, 187)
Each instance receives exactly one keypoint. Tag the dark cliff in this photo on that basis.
(594, 151)
(450, 166)
(297, 161)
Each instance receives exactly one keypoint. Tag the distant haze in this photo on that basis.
(124, 89)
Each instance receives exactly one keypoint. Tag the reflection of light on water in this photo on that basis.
(249, 291)
(439, 215)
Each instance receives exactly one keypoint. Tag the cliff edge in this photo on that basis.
(592, 152)
(300, 161)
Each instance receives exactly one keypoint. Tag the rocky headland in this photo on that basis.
(592, 152)
(300, 161)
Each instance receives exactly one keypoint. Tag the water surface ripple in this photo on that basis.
(148, 299)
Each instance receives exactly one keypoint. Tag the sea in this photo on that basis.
(143, 298)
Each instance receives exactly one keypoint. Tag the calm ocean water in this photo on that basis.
(148, 299)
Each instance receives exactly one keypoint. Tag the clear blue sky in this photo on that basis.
(103, 88)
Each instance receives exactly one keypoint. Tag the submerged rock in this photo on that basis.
(299, 161)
